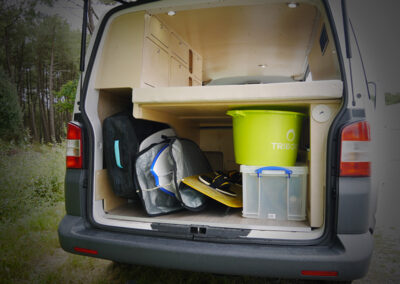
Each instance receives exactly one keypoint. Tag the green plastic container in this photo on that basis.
(266, 137)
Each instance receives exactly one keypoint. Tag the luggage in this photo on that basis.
(188, 159)
(122, 136)
(155, 201)
(159, 171)
(146, 158)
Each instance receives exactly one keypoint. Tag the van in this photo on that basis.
(186, 64)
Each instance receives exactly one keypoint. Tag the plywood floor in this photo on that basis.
(214, 215)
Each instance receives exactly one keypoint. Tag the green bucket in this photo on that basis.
(266, 137)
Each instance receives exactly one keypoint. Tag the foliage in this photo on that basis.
(30, 177)
(39, 54)
(108, 2)
(10, 111)
(66, 96)
(391, 99)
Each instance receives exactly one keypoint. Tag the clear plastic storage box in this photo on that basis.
(277, 193)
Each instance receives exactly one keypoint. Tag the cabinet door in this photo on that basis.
(159, 31)
(179, 48)
(155, 65)
(197, 66)
(179, 74)
(195, 82)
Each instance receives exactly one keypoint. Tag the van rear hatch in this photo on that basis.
(188, 70)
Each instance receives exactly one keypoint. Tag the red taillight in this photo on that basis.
(355, 159)
(74, 146)
(85, 250)
(319, 273)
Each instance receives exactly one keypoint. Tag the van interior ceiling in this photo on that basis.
(189, 69)
(235, 41)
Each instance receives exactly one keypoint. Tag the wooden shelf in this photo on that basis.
(293, 91)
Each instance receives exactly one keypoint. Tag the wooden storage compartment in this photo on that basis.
(195, 82)
(199, 113)
(197, 66)
(138, 52)
(207, 124)
(158, 31)
(111, 101)
(219, 139)
(179, 74)
(179, 47)
(155, 69)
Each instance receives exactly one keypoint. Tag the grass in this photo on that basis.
(31, 205)
(30, 177)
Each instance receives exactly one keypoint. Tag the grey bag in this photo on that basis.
(188, 160)
(156, 202)
(184, 159)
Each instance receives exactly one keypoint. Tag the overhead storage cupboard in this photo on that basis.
(145, 52)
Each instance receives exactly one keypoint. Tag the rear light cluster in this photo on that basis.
(355, 143)
(74, 146)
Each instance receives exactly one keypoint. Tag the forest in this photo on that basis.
(39, 71)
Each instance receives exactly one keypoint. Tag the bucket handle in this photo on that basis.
(235, 112)
(273, 168)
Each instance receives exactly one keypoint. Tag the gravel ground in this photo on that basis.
(385, 263)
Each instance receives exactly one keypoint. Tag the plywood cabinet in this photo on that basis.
(158, 32)
(195, 82)
(179, 48)
(184, 67)
(155, 69)
(142, 51)
(178, 73)
(197, 65)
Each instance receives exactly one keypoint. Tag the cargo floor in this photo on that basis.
(214, 215)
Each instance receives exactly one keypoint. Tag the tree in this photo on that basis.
(39, 54)
(11, 127)
(18, 20)
(57, 50)
(66, 97)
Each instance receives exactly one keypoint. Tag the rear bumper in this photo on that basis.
(349, 255)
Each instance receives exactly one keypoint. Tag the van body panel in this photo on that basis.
(354, 205)
(348, 255)
(75, 194)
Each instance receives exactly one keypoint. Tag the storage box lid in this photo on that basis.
(271, 170)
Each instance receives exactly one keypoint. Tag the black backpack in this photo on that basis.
(122, 136)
